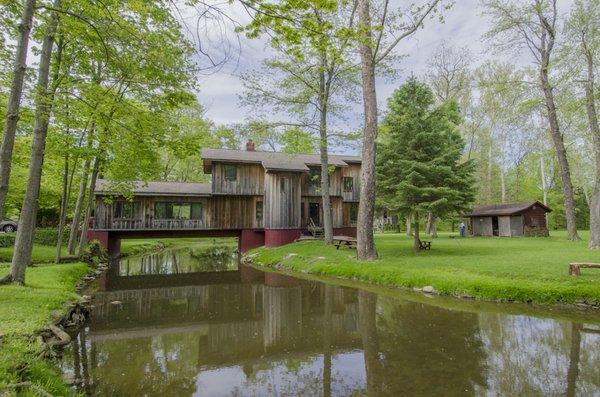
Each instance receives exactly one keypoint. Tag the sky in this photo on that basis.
(464, 26)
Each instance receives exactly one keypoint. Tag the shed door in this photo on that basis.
(516, 225)
(504, 226)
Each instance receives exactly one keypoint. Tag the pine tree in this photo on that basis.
(419, 167)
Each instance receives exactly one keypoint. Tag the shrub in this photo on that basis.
(94, 253)
(7, 239)
(49, 236)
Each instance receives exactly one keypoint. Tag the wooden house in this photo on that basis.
(509, 220)
(273, 196)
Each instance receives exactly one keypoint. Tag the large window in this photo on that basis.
(126, 209)
(230, 172)
(171, 210)
(348, 183)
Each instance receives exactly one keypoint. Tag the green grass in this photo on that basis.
(506, 269)
(40, 254)
(142, 246)
(24, 311)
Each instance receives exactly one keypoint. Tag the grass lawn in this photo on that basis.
(26, 310)
(519, 269)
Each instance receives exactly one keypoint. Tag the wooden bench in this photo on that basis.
(349, 242)
(575, 268)
(424, 245)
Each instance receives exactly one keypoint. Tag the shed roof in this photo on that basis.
(505, 209)
(140, 188)
(275, 161)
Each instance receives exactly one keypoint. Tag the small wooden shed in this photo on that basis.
(508, 220)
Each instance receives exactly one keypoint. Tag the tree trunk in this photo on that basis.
(594, 242)
(14, 100)
(490, 192)
(63, 210)
(90, 206)
(543, 175)
(557, 138)
(78, 208)
(43, 108)
(366, 209)
(325, 196)
(417, 238)
(408, 226)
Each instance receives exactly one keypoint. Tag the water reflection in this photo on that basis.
(268, 334)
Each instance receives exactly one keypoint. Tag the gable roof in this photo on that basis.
(274, 161)
(103, 187)
(506, 209)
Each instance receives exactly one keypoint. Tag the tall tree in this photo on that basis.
(419, 166)
(43, 108)
(532, 24)
(374, 47)
(582, 27)
(14, 102)
(312, 42)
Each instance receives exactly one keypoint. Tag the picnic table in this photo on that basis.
(424, 245)
(347, 241)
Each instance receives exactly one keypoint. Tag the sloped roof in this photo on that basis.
(276, 161)
(505, 209)
(103, 187)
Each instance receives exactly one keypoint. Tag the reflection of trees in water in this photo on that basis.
(427, 350)
(182, 260)
(534, 356)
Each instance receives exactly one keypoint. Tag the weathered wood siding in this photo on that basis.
(504, 226)
(335, 184)
(218, 212)
(516, 225)
(282, 200)
(535, 217)
(482, 226)
(250, 179)
(353, 171)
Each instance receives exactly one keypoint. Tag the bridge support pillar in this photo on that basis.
(111, 243)
(250, 239)
(278, 237)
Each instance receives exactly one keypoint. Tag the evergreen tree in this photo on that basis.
(419, 168)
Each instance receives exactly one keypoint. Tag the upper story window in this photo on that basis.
(348, 184)
(314, 178)
(173, 210)
(126, 209)
(230, 172)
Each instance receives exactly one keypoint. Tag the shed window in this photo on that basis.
(230, 172)
(173, 210)
(259, 210)
(348, 183)
(126, 209)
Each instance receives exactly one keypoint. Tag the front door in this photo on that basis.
(314, 213)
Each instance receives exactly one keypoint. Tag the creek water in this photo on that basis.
(190, 322)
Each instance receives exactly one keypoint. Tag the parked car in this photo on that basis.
(8, 226)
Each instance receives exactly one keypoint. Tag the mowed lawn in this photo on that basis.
(24, 311)
(507, 269)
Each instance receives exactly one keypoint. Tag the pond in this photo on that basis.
(175, 325)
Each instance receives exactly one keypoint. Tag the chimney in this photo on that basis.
(250, 146)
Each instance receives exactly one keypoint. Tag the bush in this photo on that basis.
(49, 236)
(7, 239)
(94, 253)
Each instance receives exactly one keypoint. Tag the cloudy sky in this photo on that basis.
(464, 26)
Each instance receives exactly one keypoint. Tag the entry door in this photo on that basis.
(314, 213)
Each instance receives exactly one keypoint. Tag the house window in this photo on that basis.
(314, 178)
(230, 172)
(348, 183)
(353, 213)
(125, 209)
(173, 210)
(259, 211)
